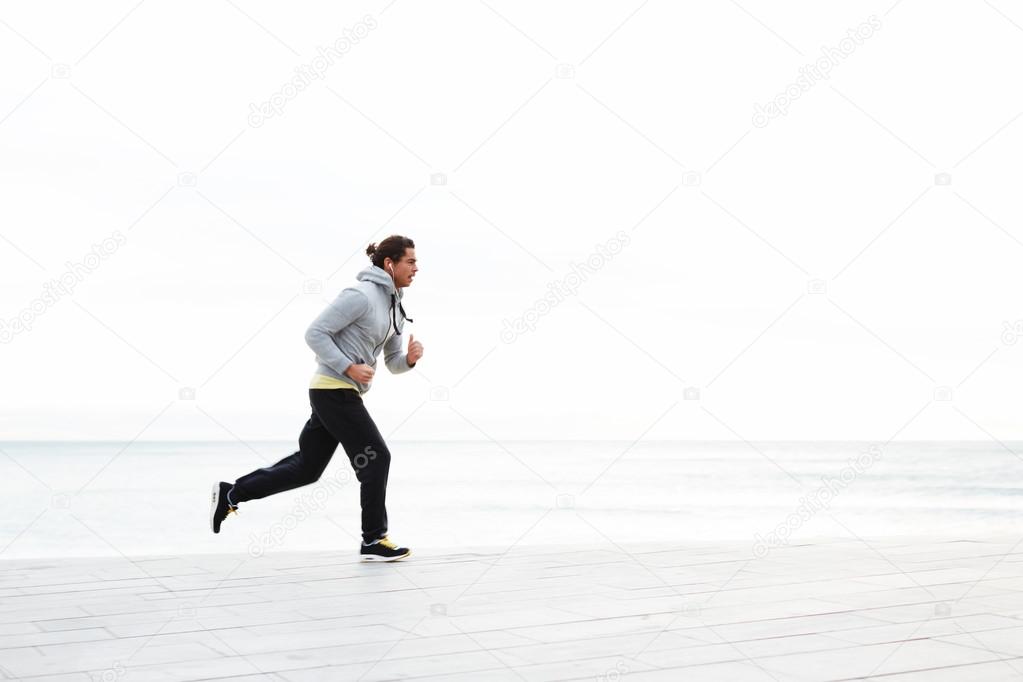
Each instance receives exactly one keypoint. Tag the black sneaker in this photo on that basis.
(383, 550)
(219, 505)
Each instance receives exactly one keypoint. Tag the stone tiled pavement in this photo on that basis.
(898, 610)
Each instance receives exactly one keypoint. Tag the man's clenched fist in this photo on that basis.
(361, 373)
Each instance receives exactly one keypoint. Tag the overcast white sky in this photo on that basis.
(809, 275)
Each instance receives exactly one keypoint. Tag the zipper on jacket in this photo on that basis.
(389, 321)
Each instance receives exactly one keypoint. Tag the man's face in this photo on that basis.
(404, 270)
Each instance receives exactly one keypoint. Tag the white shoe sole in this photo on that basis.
(373, 557)
(213, 503)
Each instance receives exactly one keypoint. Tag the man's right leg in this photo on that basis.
(315, 448)
(345, 415)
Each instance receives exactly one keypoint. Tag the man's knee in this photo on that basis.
(372, 458)
(311, 474)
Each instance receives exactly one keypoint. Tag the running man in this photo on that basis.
(346, 337)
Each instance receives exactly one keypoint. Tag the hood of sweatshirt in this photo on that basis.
(381, 277)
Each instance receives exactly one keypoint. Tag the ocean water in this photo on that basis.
(108, 499)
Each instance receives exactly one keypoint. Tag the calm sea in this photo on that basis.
(105, 498)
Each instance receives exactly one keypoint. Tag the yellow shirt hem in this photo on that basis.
(323, 381)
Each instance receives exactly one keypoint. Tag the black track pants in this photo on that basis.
(339, 416)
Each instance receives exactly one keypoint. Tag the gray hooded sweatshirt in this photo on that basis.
(362, 319)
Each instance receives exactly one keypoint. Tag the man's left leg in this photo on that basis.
(371, 459)
(369, 456)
